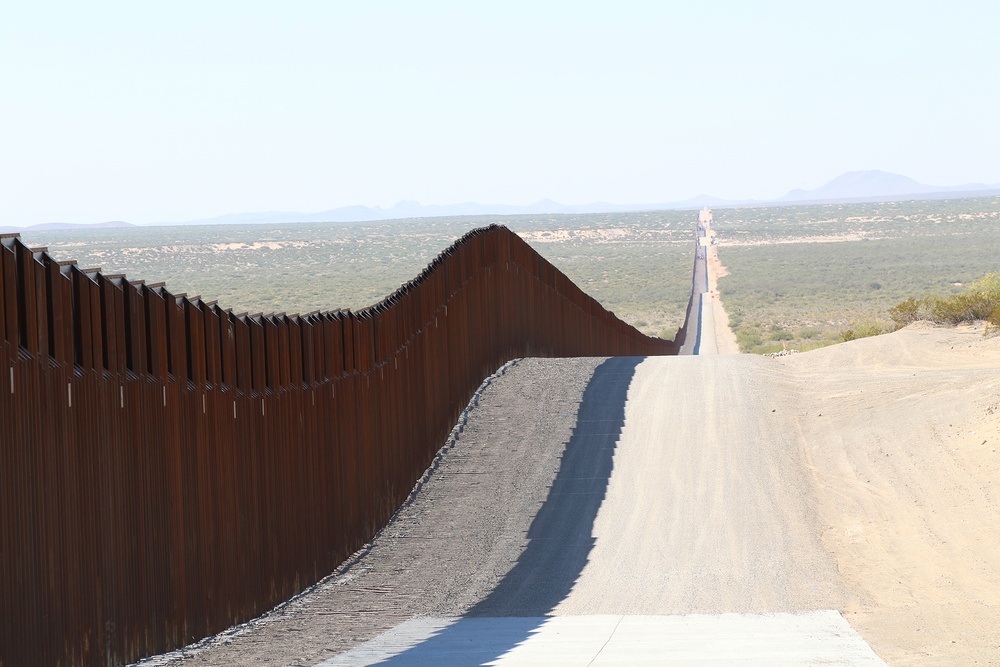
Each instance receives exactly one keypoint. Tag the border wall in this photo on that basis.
(169, 468)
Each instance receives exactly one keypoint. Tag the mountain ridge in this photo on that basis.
(875, 183)
(57, 226)
(871, 185)
(853, 186)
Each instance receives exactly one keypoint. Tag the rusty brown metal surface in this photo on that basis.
(169, 469)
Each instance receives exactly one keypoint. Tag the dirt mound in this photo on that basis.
(901, 433)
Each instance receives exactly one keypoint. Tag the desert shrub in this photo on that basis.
(748, 339)
(909, 311)
(989, 286)
(979, 301)
(862, 330)
(993, 323)
(965, 307)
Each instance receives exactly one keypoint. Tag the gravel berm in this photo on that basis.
(458, 536)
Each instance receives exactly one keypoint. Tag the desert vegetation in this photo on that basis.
(807, 276)
(800, 276)
(979, 301)
(637, 264)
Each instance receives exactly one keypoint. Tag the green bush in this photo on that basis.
(993, 323)
(979, 301)
(909, 311)
(962, 308)
(862, 330)
(748, 339)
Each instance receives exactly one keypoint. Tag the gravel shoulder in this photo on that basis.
(450, 547)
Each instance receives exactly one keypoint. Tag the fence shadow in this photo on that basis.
(560, 538)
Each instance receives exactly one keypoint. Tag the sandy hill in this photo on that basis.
(901, 434)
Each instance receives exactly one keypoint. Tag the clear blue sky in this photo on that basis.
(151, 112)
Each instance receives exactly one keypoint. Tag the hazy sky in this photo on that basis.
(170, 111)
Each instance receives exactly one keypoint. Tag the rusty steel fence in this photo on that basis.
(169, 468)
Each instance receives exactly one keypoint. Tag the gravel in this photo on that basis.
(446, 550)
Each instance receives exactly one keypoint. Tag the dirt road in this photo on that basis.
(708, 331)
(725, 339)
(707, 509)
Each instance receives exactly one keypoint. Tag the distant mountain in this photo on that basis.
(879, 185)
(56, 226)
(701, 201)
(854, 186)
(412, 209)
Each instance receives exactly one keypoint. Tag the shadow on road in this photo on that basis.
(560, 537)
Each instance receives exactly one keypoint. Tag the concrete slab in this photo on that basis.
(808, 638)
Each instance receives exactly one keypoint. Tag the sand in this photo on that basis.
(900, 434)
(725, 339)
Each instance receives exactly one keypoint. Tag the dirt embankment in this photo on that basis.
(448, 549)
(901, 435)
(725, 339)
